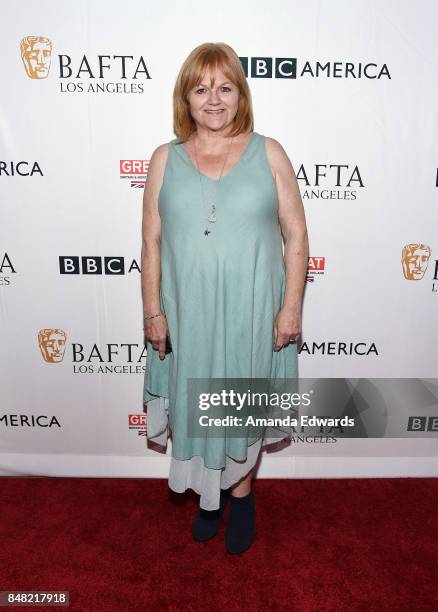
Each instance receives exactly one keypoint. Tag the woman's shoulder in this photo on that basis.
(161, 149)
(272, 143)
(275, 150)
(161, 152)
(273, 146)
(278, 159)
(158, 159)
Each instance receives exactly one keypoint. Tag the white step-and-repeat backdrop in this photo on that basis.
(350, 89)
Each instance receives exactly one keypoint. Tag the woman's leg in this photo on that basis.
(243, 486)
(240, 529)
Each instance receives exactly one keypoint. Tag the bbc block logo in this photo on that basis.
(269, 67)
(91, 265)
(423, 423)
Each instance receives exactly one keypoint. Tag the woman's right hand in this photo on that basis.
(156, 331)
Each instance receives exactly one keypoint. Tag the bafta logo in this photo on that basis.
(36, 53)
(415, 258)
(52, 344)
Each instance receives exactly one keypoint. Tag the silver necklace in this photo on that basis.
(212, 215)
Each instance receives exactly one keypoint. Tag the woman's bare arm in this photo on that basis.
(293, 227)
(156, 328)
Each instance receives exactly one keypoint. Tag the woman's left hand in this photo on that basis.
(287, 328)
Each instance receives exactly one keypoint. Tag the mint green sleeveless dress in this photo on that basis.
(220, 294)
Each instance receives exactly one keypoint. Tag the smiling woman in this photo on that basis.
(218, 199)
(213, 106)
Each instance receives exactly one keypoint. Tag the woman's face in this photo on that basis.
(214, 108)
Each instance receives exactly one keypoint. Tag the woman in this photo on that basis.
(220, 299)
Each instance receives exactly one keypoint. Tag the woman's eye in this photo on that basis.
(224, 89)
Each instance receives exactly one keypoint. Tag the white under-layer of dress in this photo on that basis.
(192, 473)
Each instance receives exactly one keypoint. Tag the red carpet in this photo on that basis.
(125, 544)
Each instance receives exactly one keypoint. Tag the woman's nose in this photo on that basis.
(214, 97)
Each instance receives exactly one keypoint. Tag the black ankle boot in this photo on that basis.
(207, 522)
(239, 533)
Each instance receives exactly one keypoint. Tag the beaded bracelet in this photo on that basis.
(152, 316)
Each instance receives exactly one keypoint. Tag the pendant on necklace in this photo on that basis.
(212, 216)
